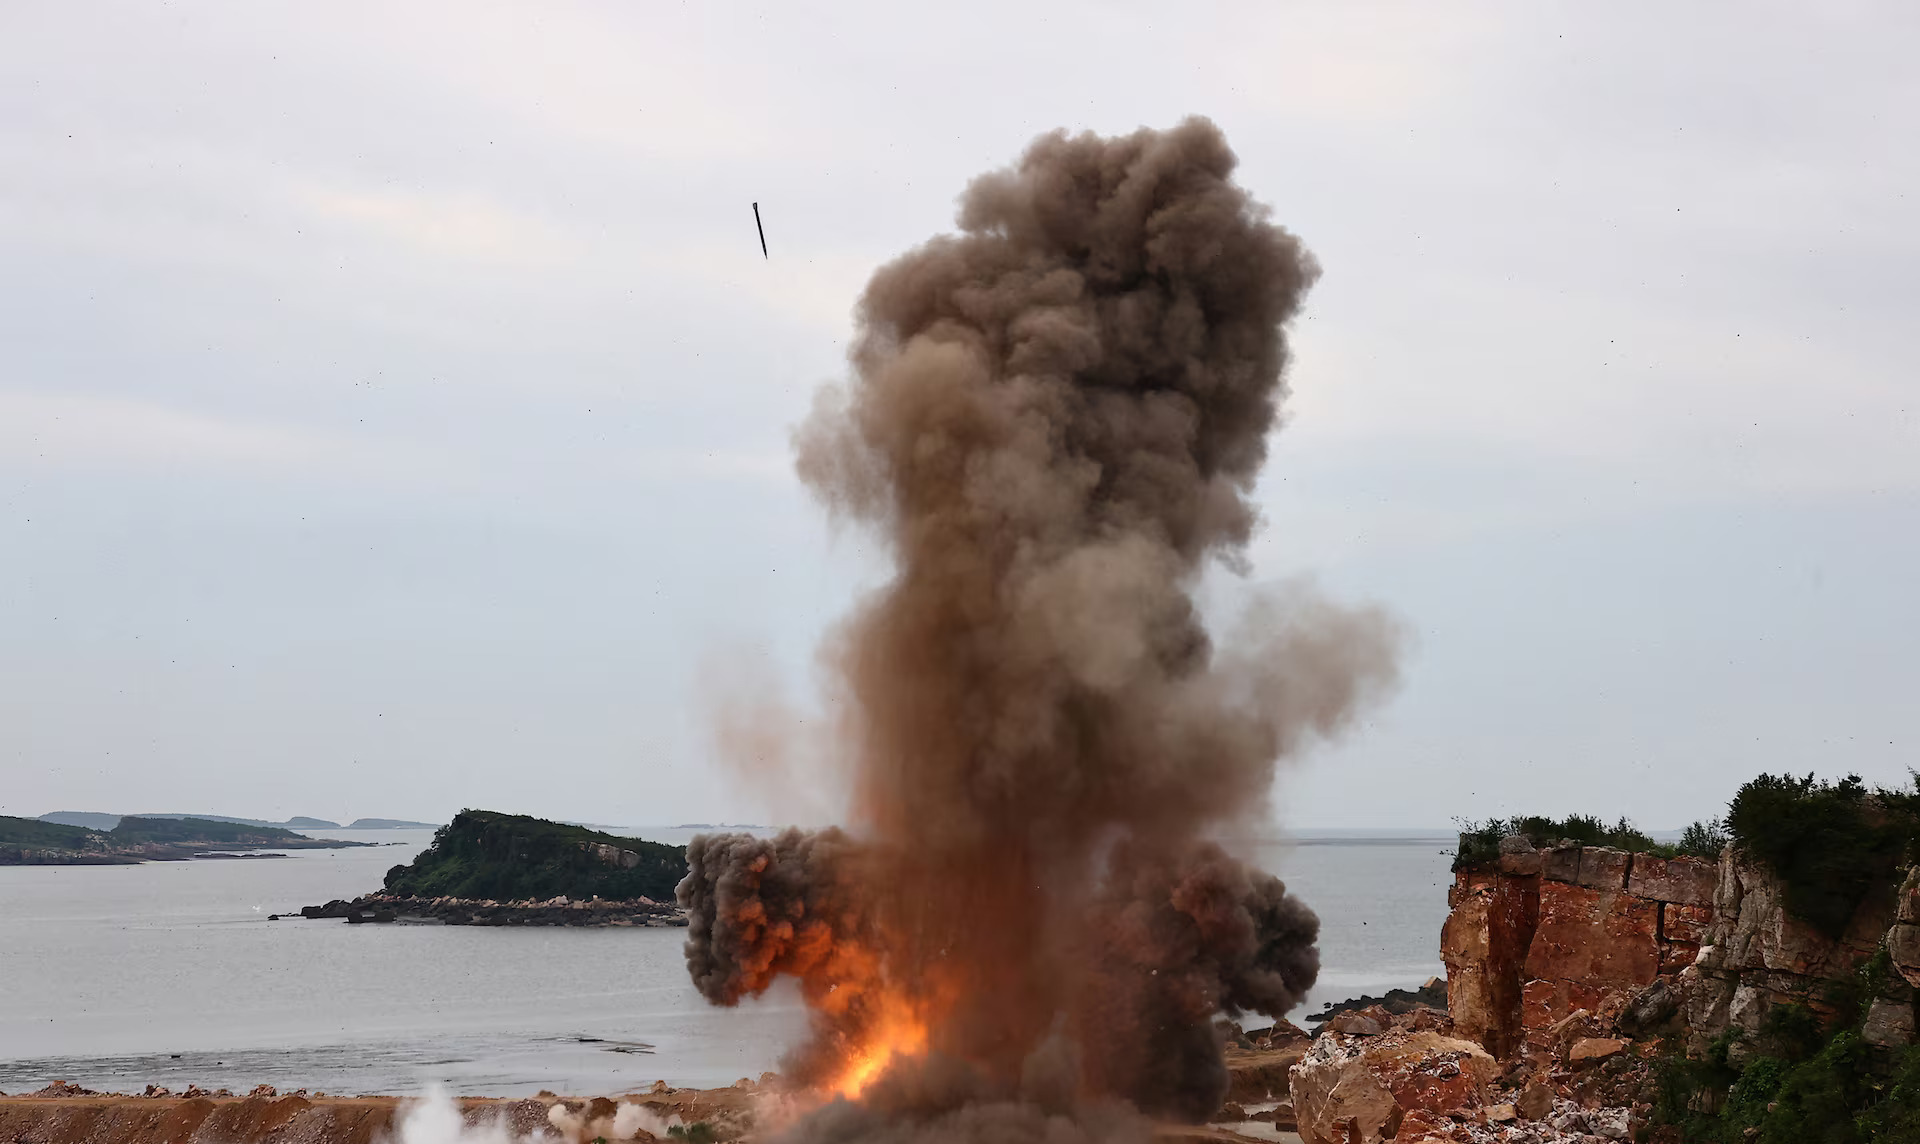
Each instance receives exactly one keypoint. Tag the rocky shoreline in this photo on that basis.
(1432, 995)
(559, 911)
(63, 1113)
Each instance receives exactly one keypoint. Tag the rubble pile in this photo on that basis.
(1376, 1076)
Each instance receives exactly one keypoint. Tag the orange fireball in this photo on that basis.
(897, 1032)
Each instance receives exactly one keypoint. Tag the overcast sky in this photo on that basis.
(394, 401)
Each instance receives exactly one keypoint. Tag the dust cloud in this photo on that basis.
(1054, 422)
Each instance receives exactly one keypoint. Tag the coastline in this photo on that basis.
(558, 911)
(63, 1113)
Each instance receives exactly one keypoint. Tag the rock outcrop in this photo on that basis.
(1432, 995)
(1542, 933)
(1646, 945)
(1359, 1089)
(1755, 955)
(1492, 916)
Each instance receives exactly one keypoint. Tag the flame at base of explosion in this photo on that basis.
(898, 1031)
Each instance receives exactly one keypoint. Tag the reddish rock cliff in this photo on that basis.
(1540, 934)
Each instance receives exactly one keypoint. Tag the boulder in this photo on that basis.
(1535, 1100)
(1650, 1009)
(1889, 1024)
(1423, 1127)
(1682, 881)
(1603, 868)
(1358, 1090)
(1560, 863)
(1517, 856)
(1903, 946)
(1356, 1024)
(1593, 1050)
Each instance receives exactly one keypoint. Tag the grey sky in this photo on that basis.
(393, 398)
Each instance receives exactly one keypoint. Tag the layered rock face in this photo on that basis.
(1756, 955)
(1541, 934)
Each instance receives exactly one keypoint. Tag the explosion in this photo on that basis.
(1055, 420)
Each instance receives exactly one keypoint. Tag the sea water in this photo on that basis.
(171, 973)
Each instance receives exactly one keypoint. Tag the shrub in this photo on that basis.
(1791, 1033)
(1480, 841)
(1896, 1117)
(1704, 839)
(1829, 843)
(1820, 1099)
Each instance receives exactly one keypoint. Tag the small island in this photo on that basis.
(35, 842)
(490, 868)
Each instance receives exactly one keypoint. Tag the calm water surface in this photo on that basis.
(170, 973)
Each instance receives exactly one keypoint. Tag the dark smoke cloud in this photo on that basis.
(1055, 419)
(1173, 941)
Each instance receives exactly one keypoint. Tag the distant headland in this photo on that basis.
(134, 838)
(97, 820)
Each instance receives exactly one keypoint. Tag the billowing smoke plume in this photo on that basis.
(1055, 420)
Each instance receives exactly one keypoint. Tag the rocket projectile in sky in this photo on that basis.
(761, 229)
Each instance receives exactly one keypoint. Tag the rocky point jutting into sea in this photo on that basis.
(486, 868)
